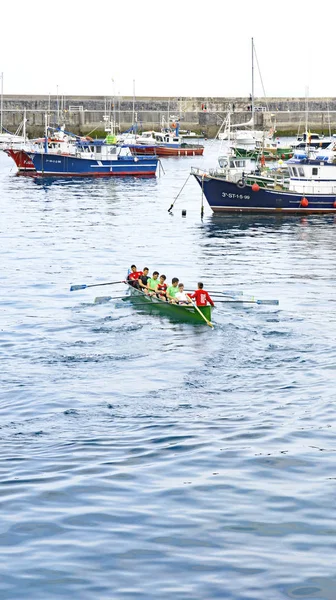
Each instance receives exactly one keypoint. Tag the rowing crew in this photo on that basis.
(156, 286)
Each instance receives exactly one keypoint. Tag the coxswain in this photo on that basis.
(133, 276)
(201, 296)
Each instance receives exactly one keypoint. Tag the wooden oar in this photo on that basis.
(203, 316)
(245, 300)
(223, 292)
(84, 285)
(226, 292)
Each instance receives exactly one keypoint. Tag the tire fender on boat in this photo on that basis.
(241, 183)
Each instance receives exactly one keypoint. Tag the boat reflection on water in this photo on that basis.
(222, 225)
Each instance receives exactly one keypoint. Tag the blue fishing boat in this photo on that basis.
(310, 188)
(95, 158)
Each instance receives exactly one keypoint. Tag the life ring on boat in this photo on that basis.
(241, 183)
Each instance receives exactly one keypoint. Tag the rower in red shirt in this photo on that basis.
(201, 296)
(133, 276)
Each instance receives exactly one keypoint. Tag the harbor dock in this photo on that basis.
(84, 114)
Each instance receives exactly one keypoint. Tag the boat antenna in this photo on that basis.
(252, 95)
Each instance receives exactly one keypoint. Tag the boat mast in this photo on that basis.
(113, 124)
(252, 94)
(1, 108)
(46, 133)
(307, 95)
(57, 103)
(24, 124)
(133, 108)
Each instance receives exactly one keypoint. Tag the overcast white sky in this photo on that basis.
(170, 48)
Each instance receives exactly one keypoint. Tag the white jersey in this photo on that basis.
(182, 297)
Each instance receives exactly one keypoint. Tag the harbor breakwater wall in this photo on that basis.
(88, 114)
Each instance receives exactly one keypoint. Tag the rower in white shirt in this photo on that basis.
(181, 297)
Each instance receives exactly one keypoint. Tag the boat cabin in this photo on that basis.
(167, 138)
(233, 168)
(99, 150)
(313, 176)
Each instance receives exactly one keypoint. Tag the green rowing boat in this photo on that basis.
(179, 312)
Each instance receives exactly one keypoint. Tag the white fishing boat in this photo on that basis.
(312, 140)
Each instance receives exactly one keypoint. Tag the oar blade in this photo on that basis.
(271, 302)
(77, 287)
(102, 299)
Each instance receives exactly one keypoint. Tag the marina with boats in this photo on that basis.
(163, 440)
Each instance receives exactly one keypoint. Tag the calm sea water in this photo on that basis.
(144, 458)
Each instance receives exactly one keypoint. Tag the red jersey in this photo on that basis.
(133, 276)
(202, 298)
(161, 287)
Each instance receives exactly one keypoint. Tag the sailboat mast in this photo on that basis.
(133, 109)
(24, 123)
(252, 94)
(1, 107)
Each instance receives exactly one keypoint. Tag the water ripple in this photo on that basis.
(145, 458)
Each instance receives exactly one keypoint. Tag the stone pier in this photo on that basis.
(87, 114)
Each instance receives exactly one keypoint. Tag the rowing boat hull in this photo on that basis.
(178, 312)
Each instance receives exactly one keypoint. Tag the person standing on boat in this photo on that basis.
(181, 296)
(143, 280)
(133, 276)
(161, 288)
(172, 290)
(153, 283)
(201, 296)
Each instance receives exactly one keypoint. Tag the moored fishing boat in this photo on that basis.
(92, 158)
(22, 160)
(269, 149)
(180, 312)
(58, 142)
(313, 141)
(310, 188)
(164, 143)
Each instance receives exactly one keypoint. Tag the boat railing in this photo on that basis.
(198, 171)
